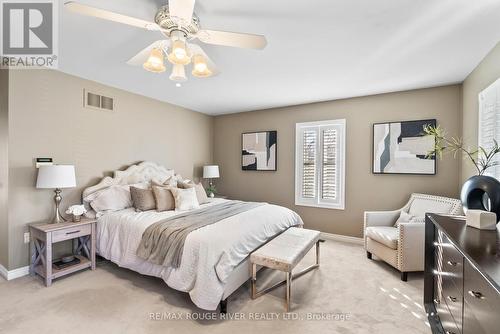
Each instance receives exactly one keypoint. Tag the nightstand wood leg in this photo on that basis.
(34, 257)
(48, 260)
(93, 247)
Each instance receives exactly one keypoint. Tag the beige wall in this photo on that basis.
(487, 72)
(47, 119)
(4, 166)
(364, 191)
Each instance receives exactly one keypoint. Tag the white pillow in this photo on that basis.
(185, 199)
(405, 217)
(113, 198)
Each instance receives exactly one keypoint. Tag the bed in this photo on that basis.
(214, 261)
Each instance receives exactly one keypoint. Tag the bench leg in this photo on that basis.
(254, 281)
(288, 291)
(317, 252)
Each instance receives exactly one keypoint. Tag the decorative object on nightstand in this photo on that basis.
(479, 192)
(76, 211)
(44, 235)
(211, 172)
(56, 177)
(483, 220)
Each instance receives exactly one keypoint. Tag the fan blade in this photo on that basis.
(225, 38)
(110, 16)
(182, 9)
(196, 49)
(140, 58)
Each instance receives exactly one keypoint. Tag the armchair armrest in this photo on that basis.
(411, 247)
(381, 218)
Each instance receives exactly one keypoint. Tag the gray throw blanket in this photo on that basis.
(163, 242)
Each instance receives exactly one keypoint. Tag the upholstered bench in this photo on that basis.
(283, 253)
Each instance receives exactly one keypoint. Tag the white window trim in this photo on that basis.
(316, 202)
(492, 91)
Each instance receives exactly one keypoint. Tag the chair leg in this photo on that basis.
(369, 255)
(404, 276)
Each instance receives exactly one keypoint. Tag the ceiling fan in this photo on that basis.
(177, 21)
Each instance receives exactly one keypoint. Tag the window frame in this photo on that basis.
(317, 201)
(493, 89)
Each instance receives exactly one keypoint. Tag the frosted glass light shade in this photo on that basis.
(56, 176)
(178, 73)
(155, 61)
(211, 172)
(179, 53)
(200, 68)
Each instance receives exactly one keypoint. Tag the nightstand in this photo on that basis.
(44, 235)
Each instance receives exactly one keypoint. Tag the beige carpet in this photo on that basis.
(356, 295)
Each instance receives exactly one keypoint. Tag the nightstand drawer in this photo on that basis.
(71, 233)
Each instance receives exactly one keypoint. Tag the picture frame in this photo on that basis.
(259, 151)
(402, 147)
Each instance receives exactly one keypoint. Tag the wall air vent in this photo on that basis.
(96, 101)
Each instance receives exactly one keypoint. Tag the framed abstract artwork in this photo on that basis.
(259, 151)
(402, 148)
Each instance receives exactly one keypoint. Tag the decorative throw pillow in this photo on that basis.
(142, 199)
(164, 199)
(201, 194)
(405, 217)
(113, 198)
(185, 199)
(173, 181)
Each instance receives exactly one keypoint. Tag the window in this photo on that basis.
(320, 164)
(489, 121)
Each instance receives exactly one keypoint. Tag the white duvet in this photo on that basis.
(210, 253)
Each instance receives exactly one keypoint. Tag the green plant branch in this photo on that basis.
(480, 158)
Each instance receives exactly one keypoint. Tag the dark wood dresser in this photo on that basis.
(462, 277)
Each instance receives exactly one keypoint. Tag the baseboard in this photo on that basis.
(343, 238)
(13, 274)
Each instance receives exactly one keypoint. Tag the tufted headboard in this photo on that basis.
(142, 172)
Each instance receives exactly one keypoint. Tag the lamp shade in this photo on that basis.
(210, 172)
(56, 176)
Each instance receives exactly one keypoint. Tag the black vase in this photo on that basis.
(481, 192)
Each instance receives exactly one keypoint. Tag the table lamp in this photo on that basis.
(56, 177)
(211, 172)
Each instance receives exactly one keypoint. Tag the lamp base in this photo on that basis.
(58, 217)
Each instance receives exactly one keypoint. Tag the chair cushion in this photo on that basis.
(386, 235)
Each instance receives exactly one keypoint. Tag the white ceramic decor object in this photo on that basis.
(482, 220)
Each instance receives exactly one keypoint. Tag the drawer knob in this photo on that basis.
(453, 263)
(453, 299)
(72, 232)
(476, 294)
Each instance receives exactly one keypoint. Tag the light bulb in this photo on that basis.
(200, 68)
(155, 61)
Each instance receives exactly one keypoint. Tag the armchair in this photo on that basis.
(403, 247)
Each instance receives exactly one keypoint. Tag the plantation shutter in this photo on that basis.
(489, 121)
(329, 172)
(320, 161)
(309, 164)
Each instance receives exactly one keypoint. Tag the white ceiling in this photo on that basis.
(317, 49)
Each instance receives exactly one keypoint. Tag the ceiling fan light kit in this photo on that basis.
(178, 22)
